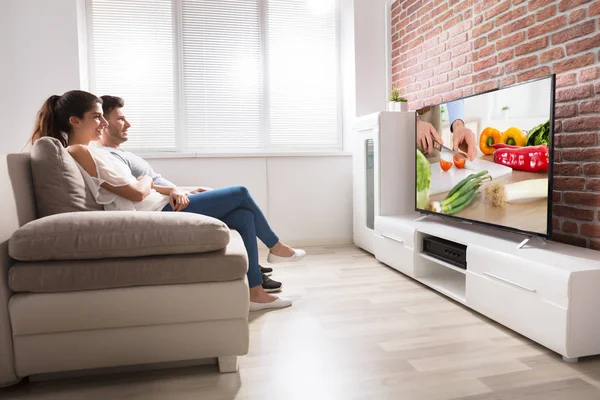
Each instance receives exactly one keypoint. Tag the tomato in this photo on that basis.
(459, 162)
(446, 165)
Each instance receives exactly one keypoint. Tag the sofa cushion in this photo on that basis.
(57, 181)
(227, 264)
(114, 234)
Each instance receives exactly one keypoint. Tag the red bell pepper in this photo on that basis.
(528, 158)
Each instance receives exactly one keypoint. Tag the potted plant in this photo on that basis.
(397, 102)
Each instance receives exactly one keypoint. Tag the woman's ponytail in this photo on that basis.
(46, 123)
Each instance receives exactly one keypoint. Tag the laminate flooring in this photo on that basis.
(357, 330)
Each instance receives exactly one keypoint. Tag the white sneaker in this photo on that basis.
(279, 303)
(297, 256)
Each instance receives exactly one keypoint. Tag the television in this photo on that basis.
(487, 158)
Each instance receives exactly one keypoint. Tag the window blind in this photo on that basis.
(132, 56)
(303, 87)
(222, 80)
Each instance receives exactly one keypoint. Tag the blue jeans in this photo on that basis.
(235, 206)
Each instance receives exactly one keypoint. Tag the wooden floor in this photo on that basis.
(357, 330)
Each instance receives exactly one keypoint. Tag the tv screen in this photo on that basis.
(487, 158)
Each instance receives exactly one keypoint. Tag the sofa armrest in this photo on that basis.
(109, 234)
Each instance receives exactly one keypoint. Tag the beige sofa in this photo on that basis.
(84, 289)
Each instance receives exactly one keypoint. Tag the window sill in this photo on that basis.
(166, 155)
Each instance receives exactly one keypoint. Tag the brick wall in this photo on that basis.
(445, 49)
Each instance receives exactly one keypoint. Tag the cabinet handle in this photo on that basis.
(392, 238)
(510, 282)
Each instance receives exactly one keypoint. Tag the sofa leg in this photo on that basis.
(228, 364)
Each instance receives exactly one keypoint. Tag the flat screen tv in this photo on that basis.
(487, 158)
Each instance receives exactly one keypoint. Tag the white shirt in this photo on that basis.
(116, 173)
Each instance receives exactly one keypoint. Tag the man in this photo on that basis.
(115, 134)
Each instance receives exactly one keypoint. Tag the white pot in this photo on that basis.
(403, 106)
(391, 106)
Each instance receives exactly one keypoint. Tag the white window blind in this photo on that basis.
(220, 75)
(132, 56)
(303, 85)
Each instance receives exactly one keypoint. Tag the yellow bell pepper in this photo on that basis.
(489, 137)
(514, 137)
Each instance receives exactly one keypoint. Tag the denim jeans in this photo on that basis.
(235, 207)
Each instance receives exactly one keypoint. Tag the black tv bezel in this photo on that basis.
(548, 233)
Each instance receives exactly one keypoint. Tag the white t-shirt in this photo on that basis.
(116, 173)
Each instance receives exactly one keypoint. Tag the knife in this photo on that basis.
(441, 148)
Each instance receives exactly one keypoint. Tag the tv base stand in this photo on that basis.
(526, 240)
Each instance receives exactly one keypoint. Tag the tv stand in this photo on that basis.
(422, 217)
(526, 240)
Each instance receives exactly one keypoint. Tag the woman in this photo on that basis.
(75, 119)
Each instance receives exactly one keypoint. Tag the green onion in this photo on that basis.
(464, 181)
(464, 205)
(465, 188)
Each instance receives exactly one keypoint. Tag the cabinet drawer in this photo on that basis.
(519, 309)
(392, 251)
(550, 284)
(400, 228)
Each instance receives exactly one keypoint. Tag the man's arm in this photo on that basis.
(456, 112)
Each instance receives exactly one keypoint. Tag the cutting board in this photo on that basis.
(444, 181)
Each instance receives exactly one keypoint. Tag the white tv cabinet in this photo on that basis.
(548, 292)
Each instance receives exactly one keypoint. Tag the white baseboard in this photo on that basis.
(313, 243)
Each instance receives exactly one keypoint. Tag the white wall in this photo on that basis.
(39, 58)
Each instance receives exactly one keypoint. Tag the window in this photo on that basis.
(221, 75)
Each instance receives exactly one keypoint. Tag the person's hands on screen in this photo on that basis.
(463, 139)
(178, 200)
(426, 135)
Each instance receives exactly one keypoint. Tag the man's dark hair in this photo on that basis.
(109, 103)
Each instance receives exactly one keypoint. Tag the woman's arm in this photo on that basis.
(166, 190)
(134, 192)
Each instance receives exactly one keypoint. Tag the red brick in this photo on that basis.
(518, 25)
(594, 9)
(486, 51)
(480, 42)
(536, 4)
(551, 55)
(531, 46)
(494, 35)
(508, 80)
(483, 64)
(546, 13)
(459, 39)
(583, 154)
(440, 49)
(589, 74)
(583, 45)
(500, 8)
(581, 124)
(445, 57)
(573, 63)
(459, 62)
(565, 5)
(490, 73)
(510, 41)
(511, 16)
(576, 16)
(453, 74)
(550, 26)
(591, 169)
(568, 239)
(411, 10)
(568, 183)
(462, 49)
(506, 55)
(592, 231)
(565, 80)
(464, 27)
(593, 184)
(425, 9)
(456, 94)
(597, 88)
(439, 79)
(480, 30)
(442, 68)
(433, 33)
(595, 244)
(567, 169)
(434, 62)
(468, 91)
(533, 74)
(522, 63)
(442, 17)
(555, 221)
(570, 227)
(451, 22)
(443, 88)
(557, 126)
(478, 19)
(565, 140)
(484, 87)
(466, 69)
(573, 213)
(442, 8)
(565, 111)
(582, 198)
(464, 81)
(590, 107)
(574, 32)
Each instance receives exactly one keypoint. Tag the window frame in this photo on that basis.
(181, 150)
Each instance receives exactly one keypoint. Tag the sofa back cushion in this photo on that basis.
(57, 180)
